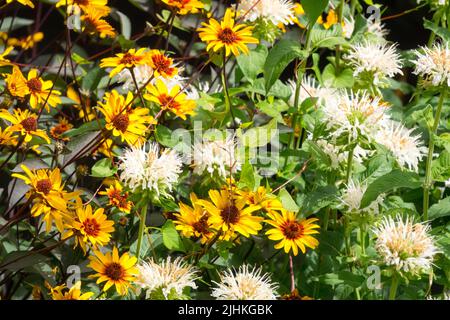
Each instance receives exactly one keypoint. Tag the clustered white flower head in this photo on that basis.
(353, 195)
(245, 284)
(150, 170)
(310, 89)
(216, 157)
(374, 60)
(433, 64)
(376, 28)
(404, 245)
(166, 278)
(276, 11)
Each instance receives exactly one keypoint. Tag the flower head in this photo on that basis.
(95, 23)
(183, 7)
(352, 197)
(117, 197)
(433, 64)
(74, 293)
(129, 59)
(25, 123)
(275, 11)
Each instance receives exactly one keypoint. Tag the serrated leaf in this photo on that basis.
(103, 169)
(440, 209)
(252, 64)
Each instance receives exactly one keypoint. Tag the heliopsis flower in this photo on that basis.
(88, 6)
(275, 11)
(216, 157)
(193, 221)
(117, 197)
(226, 34)
(3, 60)
(162, 65)
(229, 214)
(125, 122)
(374, 62)
(74, 293)
(28, 42)
(28, 3)
(62, 126)
(174, 100)
(150, 170)
(433, 64)
(353, 194)
(331, 20)
(406, 147)
(129, 59)
(267, 201)
(114, 269)
(16, 83)
(404, 245)
(90, 227)
(185, 6)
(166, 280)
(86, 112)
(94, 23)
(7, 137)
(291, 232)
(245, 284)
(25, 123)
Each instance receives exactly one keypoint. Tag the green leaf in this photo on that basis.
(247, 178)
(440, 167)
(280, 56)
(92, 79)
(318, 199)
(327, 38)
(252, 64)
(342, 80)
(164, 136)
(314, 8)
(94, 125)
(16, 23)
(18, 260)
(125, 25)
(424, 116)
(439, 31)
(171, 238)
(259, 136)
(273, 109)
(103, 168)
(440, 209)
(342, 277)
(392, 180)
(287, 201)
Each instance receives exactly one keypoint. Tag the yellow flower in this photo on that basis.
(128, 59)
(106, 148)
(128, 123)
(174, 101)
(98, 6)
(95, 24)
(299, 11)
(226, 34)
(193, 221)
(185, 6)
(89, 227)
(62, 126)
(261, 197)
(115, 270)
(28, 42)
(40, 91)
(25, 123)
(74, 293)
(3, 60)
(162, 65)
(7, 138)
(332, 19)
(229, 214)
(292, 233)
(24, 2)
(73, 95)
(117, 197)
(16, 83)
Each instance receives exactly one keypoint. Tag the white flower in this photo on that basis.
(433, 64)
(168, 276)
(378, 61)
(404, 145)
(336, 155)
(193, 93)
(245, 284)
(310, 89)
(216, 156)
(353, 195)
(276, 11)
(405, 245)
(378, 29)
(149, 169)
(142, 73)
(348, 27)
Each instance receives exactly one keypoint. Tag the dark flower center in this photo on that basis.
(292, 230)
(230, 215)
(29, 124)
(168, 102)
(114, 271)
(34, 85)
(228, 36)
(91, 227)
(44, 186)
(162, 64)
(201, 226)
(121, 122)
(128, 58)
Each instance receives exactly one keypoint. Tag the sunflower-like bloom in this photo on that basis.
(183, 7)
(27, 42)
(25, 123)
(74, 293)
(194, 221)
(93, 23)
(114, 269)
(117, 197)
(125, 122)
(291, 232)
(85, 113)
(174, 101)
(129, 59)
(7, 137)
(267, 201)
(48, 194)
(161, 64)
(229, 214)
(57, 131)
(90, 227)
(3, 60)
(28, 3)
(98, 6)
(226, 34)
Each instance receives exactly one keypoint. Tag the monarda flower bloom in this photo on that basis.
(228, 35)
(404, 245)
(275, 11)
(352, 196)
(433, 64)
(166, 280)
(245, 284)
(183, 7)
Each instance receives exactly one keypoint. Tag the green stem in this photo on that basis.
(428, 179)
(353, 7)
(141, 230)
(228, 107)
(394, 286)
(349, 164)
(362, 235)
(338, 48)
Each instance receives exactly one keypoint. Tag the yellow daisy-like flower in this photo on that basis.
(332, 19)
(3, 60)
(7, 138)
(185, 6)
(229, 214)
(261, 197)
(193, 221)
(117, 197)
(40, 91)
(161, 64)
(74, 293)
(174, 101)
(16, 83)
(28, 3)
(93, 23)
(25, 123)
(129, 59)
(292, 233)
(62, 126)
(115, 270)
(125, 122)
(226, 34)
(73, 95)
(28, 42)
(98, 6)
(90, 227)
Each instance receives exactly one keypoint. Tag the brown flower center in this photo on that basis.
(231, 214)
(114, 271)
(29, 124)
(44, 186)
(201, 226)
(91, 227)
(35, 85)
(168, 102)
(128, 58)
(81, 2)
(228, 36)
(292, 230)
(121, 122)
(162, 64)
